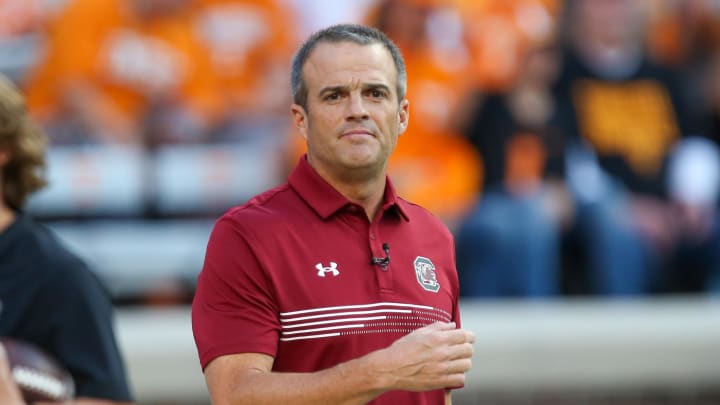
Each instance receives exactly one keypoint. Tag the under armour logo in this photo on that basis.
(332, 269)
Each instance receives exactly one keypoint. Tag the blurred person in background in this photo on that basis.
(287, 274)
(114, 69)
(624, 115)
(250, 44)
(314, 15)
(694, 48)
(713, 96)
(686, 36)
(510, 243)
(48, 296)
(23, 28)
(497, 35)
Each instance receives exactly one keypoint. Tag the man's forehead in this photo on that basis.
(332, 61)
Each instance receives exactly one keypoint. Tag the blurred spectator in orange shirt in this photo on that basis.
(686, 35)
(509, 244)
(250, 44)
(22, 26)
(681, 32)
(314, 15)
(498, 33)
(114, 65)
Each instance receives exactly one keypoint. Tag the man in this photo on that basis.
(301, 299)
(48, 296)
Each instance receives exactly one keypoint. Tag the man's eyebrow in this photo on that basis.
(333, 89)
(376, 86)
(345, 88)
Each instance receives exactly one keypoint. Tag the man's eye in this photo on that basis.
(332, 96)
(377, 93)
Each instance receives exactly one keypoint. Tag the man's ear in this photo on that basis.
(299, 117)
(403, 116)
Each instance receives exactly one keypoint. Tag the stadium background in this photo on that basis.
(143, 168)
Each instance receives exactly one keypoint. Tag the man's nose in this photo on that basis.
(356, 109)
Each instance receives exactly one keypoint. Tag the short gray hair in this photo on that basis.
(355, 33)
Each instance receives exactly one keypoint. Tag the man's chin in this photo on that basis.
(365, 165)
(358, 160)
(360, 156)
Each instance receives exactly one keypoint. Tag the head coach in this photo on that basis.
(331, 289)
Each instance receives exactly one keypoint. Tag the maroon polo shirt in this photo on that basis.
(289, 274)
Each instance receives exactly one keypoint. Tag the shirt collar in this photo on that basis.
(325, 200)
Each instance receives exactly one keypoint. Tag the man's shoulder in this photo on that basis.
(421, 215)
(273, 205)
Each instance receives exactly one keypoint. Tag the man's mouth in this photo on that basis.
(357, 133)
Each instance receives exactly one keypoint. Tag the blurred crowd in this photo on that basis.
(571, 146)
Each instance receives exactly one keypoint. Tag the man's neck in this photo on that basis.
(364, 189)
(368, 195)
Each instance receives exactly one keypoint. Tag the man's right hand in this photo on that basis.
(433, 357)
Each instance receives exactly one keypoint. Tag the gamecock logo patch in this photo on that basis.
(425, 272)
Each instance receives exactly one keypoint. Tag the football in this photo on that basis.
(39, 376)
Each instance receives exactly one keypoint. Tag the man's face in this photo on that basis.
(353, 117)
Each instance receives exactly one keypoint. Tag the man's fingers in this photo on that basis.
(459, 336)
(466, 336)
(455, 372)
(459, 366)
(463, 351)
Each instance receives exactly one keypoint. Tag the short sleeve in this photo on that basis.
(234, 309)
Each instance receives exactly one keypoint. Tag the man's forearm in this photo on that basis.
(430, 358)
(353, 382)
